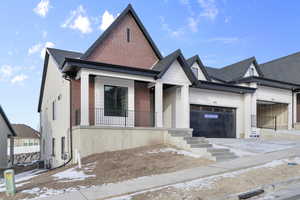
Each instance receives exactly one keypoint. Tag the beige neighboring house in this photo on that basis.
(6, 136)
(27, 140)
(123, 93)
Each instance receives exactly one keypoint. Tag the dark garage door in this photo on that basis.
(212, 122)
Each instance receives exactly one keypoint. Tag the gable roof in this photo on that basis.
(7, 122)
(59, 57)
(24, 131)
(235, 71)
(285, 69)
(128, 9)
(164, 64)
(197, 59)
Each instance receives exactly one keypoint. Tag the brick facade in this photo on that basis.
(115, 49)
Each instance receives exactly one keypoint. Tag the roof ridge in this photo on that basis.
(280, 58)
(128, 9)
(250, 58)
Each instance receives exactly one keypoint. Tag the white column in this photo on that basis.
(159, 104)
(295, 109)
(184, 114)
(247, 114)
(84, 92)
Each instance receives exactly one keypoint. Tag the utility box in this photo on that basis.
(9, 176)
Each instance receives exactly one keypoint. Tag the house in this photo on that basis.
(27, 139)
(6, 132)
(26, 136)
(122, 93)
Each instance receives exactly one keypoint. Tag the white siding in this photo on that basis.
(55, 86)
(100, 81)
(4, 131)
(175, 75)
(200, 72)
(223, 99)
(248, 72)
(278, 96)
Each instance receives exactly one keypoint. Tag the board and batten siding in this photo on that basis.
(4, 131)
(56, 89)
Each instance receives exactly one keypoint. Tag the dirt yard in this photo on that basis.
(106, 167)
(226, 184)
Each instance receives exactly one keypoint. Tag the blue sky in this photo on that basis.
(220, 31)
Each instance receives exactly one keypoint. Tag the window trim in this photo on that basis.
(123, 113)
(196, 70)
(63, 141)
(53, 147)
(128, 35)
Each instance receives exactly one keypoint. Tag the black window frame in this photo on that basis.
(195, 71)
(113, 112)
(53, 146)
(54, 110)
(63, 141)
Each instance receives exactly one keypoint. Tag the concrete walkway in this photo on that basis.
(156, 181)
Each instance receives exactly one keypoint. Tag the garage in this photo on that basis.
(212, 121)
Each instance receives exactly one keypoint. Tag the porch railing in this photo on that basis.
(119, 118)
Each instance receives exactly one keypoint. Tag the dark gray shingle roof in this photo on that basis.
(59, 55)
(285, 69)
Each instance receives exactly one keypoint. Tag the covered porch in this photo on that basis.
(122, 100)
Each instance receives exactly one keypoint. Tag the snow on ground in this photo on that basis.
(172, 150)
(209, 181)
(25, 176)
(254, 146)
(72, 174)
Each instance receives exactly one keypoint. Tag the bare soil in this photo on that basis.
(225, 186)
(111, 167)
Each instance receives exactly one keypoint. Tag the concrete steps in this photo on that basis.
(200, 145)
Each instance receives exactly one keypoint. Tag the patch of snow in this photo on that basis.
(172, 150)
(72, 175)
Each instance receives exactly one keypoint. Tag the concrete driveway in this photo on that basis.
(248, 147)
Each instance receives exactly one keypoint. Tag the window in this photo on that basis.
(53, 146)
(53, 110)
(62, 147)
(128, 34)
(251, 71)
(115, 101)
(44, 146)
(195, 71)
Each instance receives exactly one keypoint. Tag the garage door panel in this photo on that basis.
(213, 124)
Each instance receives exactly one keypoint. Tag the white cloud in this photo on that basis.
(106, 20)
(40, 47)
(193, 24)
(173, 33)
(34, 49)
(19, 78)
(78, 20)
(6, 71)
(42, 8)
(47, 45)
(224, 40)
(210, 9)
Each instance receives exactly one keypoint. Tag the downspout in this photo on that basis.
(71, 135)
(293, 124)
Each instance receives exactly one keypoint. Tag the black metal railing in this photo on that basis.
(116, 117)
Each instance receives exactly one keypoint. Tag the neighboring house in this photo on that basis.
(27, 139)
(6, 132)
(122, 93)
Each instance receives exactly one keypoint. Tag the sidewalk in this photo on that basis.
(146, 183)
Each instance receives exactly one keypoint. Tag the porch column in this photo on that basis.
(247, 114)
(184, 115)
(84, 103)
(159, 104)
